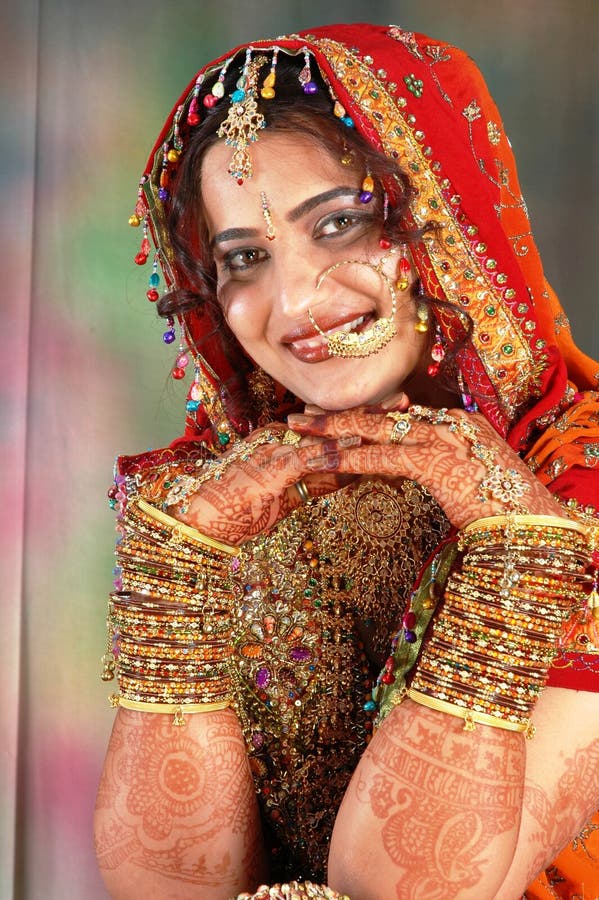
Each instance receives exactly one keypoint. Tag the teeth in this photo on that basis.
(312, 343)
(349, 326)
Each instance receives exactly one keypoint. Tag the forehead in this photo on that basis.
(288, 167)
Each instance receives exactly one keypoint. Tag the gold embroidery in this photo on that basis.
(324, 592)
(493, 132)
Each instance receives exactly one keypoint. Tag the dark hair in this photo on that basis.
(292, 112)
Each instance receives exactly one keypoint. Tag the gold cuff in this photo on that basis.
(177, 710)
(180, 528)
(470, 716)
(535, 521)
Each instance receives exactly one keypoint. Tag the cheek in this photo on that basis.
(244, 313)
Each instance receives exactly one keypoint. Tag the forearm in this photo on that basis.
(176, 814)
(431, 810)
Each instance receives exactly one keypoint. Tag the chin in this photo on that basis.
(347, 397)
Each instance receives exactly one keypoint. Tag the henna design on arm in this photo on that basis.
(437, 809)
(177, 805)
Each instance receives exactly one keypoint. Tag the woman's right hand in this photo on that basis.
(255, 493)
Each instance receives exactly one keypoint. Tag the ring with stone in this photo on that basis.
(291, 437)
(401, 426)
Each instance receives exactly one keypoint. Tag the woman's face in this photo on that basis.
(266, 287)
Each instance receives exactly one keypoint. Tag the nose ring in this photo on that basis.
(348, 344)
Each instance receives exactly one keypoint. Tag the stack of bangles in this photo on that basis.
(504, 608)
(170, 622)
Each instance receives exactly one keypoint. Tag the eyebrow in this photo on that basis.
(233, 234)
(312, 202)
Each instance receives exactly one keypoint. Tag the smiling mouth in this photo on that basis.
(318, 343)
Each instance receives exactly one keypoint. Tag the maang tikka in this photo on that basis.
(349, 344)
(244, 120)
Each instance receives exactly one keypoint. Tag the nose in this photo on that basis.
(294, 283)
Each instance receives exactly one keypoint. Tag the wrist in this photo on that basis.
(170, 619)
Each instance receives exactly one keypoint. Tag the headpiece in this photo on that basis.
(405, 93)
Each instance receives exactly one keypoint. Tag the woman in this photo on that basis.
(345, 250)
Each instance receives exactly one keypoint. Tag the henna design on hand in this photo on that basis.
(430, 454)
(255, 493)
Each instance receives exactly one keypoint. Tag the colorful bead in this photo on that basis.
(193, 114)
(367, 192)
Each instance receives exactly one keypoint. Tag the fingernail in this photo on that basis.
(298, 419)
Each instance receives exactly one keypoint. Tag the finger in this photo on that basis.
(398, 402)
(282, 466)
(366, 460)
(317, 485)
(356, 422)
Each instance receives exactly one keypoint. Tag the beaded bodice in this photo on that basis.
(322, 595)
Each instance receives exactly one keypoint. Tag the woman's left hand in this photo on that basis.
(434, 455)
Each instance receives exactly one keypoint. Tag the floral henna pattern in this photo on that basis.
(557, 821)
(254, 495)
(443, 798)
(176, 800)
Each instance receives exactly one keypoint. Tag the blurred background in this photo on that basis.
(84, 373)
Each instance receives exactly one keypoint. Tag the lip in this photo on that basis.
(308, 345)
(304, 332)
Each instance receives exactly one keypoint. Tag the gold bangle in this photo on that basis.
(538, 521)
(181, 528)
(470, 716)
(177, 710)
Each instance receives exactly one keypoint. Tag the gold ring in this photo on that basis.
(401, 427)
(302, 490)
(291, 437)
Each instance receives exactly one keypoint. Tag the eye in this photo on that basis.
(341, 222)
(243, 259)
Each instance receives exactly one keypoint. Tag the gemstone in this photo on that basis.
(263, 677)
